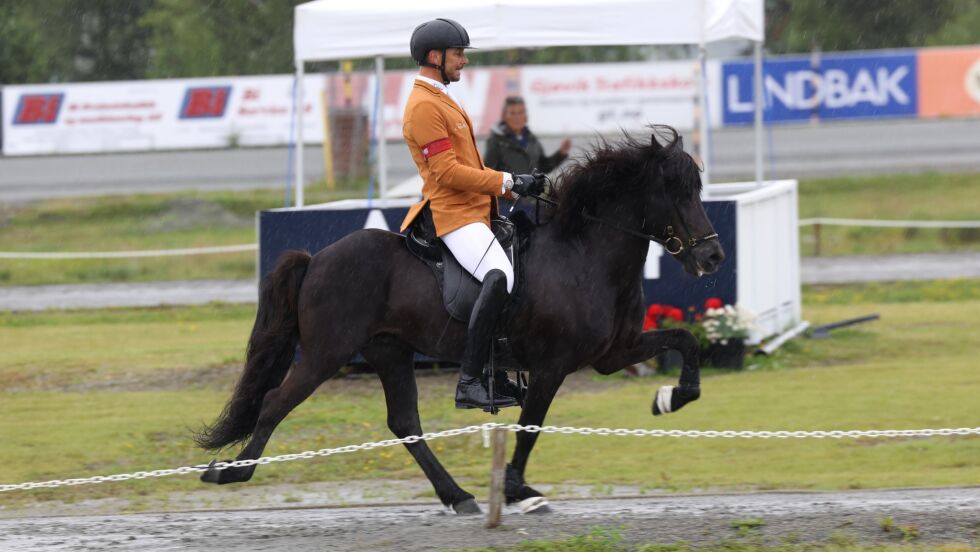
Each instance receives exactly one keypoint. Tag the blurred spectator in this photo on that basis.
(513, 148)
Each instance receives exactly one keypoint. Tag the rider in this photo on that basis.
(460, 193)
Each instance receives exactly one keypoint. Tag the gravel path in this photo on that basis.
(866, 517)
(814, 270)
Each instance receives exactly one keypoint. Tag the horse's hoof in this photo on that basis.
(468, 507)
(533, 505)
(227, 475)
(211, 475)
(671, 399)
(662, 400)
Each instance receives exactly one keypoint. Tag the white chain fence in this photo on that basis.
(675, 433)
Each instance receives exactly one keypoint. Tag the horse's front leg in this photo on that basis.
(540, 392)
(668, 398)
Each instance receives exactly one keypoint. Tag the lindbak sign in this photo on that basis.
(825, 87)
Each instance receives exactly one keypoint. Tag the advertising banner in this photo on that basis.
(839, 86)
(949, 82)
(581, 99)
(561, 100)
(154, 115)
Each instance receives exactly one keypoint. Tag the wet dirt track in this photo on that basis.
(921, 516)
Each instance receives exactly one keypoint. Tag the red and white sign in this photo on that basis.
(154, 115)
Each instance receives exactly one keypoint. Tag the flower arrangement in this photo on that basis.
(717, 326)
(725, 322)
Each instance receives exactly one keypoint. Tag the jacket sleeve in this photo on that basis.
(428, 125)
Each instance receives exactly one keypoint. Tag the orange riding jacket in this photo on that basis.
(455, 184)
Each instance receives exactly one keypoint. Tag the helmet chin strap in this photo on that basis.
(441, 67)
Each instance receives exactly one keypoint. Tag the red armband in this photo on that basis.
(433, 148)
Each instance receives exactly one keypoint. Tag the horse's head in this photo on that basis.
(673, 207)
(642, 190)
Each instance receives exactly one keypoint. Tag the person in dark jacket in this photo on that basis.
(513, 148)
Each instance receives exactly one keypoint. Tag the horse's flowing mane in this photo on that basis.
(622, 170)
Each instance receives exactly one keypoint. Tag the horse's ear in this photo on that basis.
(653, 142)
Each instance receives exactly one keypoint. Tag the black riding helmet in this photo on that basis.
(438, 34)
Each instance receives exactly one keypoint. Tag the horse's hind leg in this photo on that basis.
(304, 377)
(541, 391)
(394, 362)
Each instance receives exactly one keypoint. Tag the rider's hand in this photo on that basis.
(529, 184)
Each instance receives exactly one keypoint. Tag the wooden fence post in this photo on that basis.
(497, 477)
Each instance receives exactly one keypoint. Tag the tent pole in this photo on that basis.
(379, 75)
(705, 152)
(300, 102)
(759, 103)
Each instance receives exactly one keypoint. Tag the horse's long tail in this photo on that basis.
(270, 353)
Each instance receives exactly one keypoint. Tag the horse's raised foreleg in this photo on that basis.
(668, 398)
(299, 383)
(394, 362)
(540, 392)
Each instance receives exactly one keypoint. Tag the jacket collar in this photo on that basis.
(443, 96)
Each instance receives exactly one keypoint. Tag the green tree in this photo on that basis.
(190, 38)
(962, 29)
(24, 54)
(61, 40)
(833, 25)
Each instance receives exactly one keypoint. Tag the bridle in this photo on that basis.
(670, 239)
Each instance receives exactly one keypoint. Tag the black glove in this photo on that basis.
(529, 184)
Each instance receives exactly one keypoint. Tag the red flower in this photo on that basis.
(713, 303)
(655, 310)
(650, 323)
(675, 313)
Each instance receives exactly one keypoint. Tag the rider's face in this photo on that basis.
(455, 61)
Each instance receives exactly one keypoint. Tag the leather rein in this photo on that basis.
(670, 240)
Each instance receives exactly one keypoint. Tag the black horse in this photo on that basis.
(582, 306)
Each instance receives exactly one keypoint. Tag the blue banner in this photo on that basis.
(839, 86)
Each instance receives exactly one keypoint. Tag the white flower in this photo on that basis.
(726, 323)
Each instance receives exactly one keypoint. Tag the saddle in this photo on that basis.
(459, 288)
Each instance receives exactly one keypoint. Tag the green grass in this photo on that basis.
(197, 219)
(929, 196)
(100, 392)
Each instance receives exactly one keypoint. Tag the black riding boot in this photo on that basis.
(472, 390)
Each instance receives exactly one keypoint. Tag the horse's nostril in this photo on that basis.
(713, 261)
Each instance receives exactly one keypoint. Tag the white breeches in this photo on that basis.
(479, 252)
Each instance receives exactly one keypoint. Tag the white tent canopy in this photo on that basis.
(334, 30)
(328, 29)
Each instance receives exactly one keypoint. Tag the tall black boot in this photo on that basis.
(472, 390)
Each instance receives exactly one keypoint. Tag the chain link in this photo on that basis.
(674, 433)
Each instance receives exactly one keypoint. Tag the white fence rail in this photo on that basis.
(674, 433)
(130, 254)
(890, 223)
